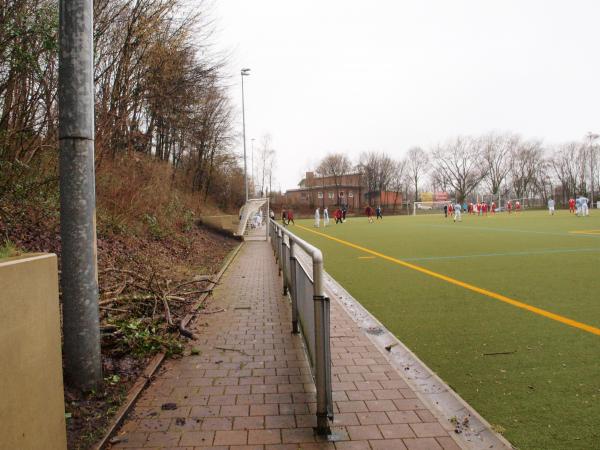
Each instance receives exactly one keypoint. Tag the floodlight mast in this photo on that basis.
(592, 137)
(244, 73)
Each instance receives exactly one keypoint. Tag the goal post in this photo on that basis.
(252, 217)
(527, 202)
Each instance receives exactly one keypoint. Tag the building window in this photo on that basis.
(351, 194)
(341, 193)
(330, 195)
(320, 195)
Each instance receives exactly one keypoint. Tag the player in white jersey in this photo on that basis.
(584, 206)
(325, 217)
(551, 206)
(317, 218)
(457, 212)
(578, 205)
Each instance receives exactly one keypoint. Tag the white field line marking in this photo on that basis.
(514, 230)
(524, 253)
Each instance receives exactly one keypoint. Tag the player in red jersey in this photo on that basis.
(369, 213)
(517, 206)
(493, 209)
(571, 205)
(509, 206)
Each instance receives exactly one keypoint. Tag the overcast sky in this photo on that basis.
(350, 76)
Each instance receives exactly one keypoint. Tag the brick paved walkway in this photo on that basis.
(250, 385)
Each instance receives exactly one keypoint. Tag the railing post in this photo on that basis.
(322, 349)
(268, 217)
(285, 261)
(321, 356)
(279, 250)
(294, 287)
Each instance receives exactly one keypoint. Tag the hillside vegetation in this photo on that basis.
(164, 154)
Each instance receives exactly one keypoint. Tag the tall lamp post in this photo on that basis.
(592, 137)
(252, 170)
(244, 73)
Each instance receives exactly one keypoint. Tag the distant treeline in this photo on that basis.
(496, 164)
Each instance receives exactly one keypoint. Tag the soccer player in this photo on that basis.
(493, 208)
(517, 206)
(378, 212)
(344, 211)
(338, 216)
(325, 217)
(584, 206)
(578, 205)
(369, 213)
(571, 205)
(509, 206)
(317, 218)
(445, 210)
(284, 217)
(450, 208)
(551, 206)
(457, 212)
(291, 217)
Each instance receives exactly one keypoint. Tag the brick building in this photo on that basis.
(320, 191)
(350, 190)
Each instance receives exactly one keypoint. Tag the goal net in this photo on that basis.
(525, 202)
(420, 208)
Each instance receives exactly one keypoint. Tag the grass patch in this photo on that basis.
(9, 250)
(535, 379)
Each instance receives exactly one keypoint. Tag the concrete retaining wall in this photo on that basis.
(32, 414)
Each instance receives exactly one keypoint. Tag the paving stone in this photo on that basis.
(422, 444)
(251, 386)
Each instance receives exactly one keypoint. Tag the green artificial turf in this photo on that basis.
(544, 393)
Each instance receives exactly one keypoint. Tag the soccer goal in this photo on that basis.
(420, 208)
(526, 202)
(254, 220)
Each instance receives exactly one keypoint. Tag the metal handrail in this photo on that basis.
(321, 359)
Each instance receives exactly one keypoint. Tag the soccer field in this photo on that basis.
(505, 308)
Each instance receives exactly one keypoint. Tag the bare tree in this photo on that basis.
(377, 170)
(417, 163)
(496, 153)
(335, 165)
(459, 162)
(566, 164)
(524, 159)
(266, 163)
(398, 179)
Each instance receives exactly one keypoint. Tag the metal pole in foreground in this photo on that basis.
(244, 73)
(79, 285)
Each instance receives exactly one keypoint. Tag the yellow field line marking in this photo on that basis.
(470, 287)
(585, 232)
